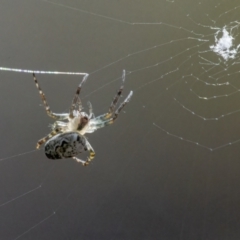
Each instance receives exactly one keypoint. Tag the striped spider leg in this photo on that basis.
(57, 116)
(109, 117)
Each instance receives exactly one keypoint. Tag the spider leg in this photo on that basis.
(90, 158)
(123, 104)
(50, 135)
(48, 110)
(58, 124)
(114, 101)
(116, 98)
(79, 104)
(79, 160)
(76, 98)
(99, 123)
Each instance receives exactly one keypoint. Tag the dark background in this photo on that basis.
(150, 179)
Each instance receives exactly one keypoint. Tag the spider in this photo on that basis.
(67, 140)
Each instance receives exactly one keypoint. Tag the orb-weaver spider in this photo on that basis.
(66, 140)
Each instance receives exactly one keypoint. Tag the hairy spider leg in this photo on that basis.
(50, 135)
(123, 104)
(117, 96)
(114, 101)
(90, 158)
(58, 116)
(76, 98)
(59, 124)
(78, 104)
(97, 122)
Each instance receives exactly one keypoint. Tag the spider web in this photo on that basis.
(168, 168)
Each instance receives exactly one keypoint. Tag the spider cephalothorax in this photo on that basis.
(66, 140)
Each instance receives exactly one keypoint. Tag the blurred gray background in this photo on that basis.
(150, 179)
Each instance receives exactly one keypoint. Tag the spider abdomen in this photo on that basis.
(65, 145)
